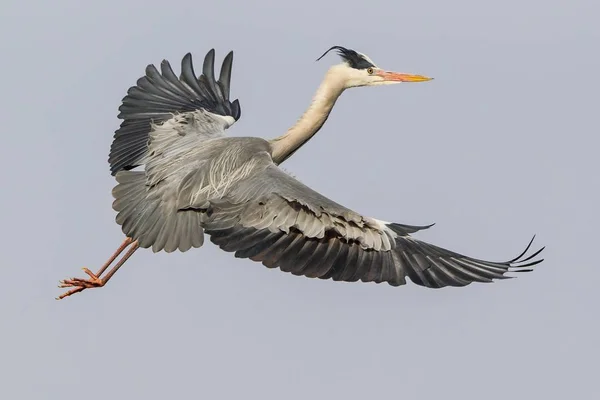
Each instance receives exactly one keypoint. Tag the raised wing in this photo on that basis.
(160, 97)
(272, 218)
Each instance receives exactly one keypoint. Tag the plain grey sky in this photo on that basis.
(501, 145)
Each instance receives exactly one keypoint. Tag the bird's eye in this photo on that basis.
(370, 71)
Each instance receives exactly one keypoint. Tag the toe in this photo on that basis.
(90, 273)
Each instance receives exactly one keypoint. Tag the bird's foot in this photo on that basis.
(80, 284)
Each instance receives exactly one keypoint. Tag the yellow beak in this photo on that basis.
(401, 77)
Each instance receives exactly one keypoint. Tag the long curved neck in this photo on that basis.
(311, 121)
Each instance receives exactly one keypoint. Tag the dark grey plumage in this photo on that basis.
(159, 95)
(353, 58)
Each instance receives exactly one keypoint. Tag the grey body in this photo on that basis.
(197, 181)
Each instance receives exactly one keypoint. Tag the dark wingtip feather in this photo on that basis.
(150, 69)
(208, 67)
(520, 264)
(531, 264)
(520, 259)
(225, 75)
(187, 59)
(237, 110)
(533, 255)
(404, 230)
(189, 76)
(524, 251)
(187, 65)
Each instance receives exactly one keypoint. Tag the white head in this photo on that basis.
(359, 70)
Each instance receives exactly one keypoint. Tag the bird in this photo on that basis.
(179, 178)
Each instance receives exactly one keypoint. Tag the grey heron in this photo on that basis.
(180, 177)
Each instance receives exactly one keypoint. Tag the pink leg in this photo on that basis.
(95, 280)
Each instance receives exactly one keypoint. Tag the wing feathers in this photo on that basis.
(152, 218)
(332, 257)
(225, 76)
(188, 76)
(158, 96)
(208, 71)
(272, 218)
(257, 252)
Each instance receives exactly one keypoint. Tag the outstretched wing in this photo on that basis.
(272, 218)
(160, 97)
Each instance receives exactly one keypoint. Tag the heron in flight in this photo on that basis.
(180, 177)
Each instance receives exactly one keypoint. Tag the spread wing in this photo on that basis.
(273, 218)
(169, 125)
(161, 98)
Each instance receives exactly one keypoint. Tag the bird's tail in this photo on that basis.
(152, 218)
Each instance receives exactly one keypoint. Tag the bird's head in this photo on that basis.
(359, 70)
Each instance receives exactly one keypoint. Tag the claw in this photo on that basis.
(79, 284)
(92, 276)
(94, 280)
(70, 292)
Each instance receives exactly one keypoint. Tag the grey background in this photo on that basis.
(501, 145)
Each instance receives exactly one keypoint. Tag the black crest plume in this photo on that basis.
(354, 59)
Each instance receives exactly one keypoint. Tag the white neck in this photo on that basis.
(312, 120)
